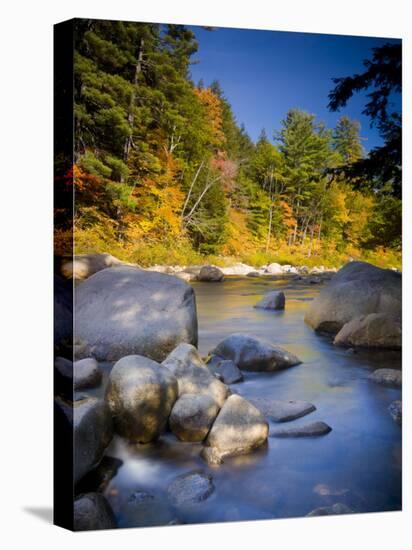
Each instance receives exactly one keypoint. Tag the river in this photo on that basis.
(358, 463)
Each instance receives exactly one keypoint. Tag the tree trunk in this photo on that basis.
(130, 116)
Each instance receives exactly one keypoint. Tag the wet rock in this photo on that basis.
(254, 274)
(282, 411)
(93, 431)
(272, 300)
(229, 372)
(358, 289)
(395, 410)
(308, 430)
(315, 281)
(212, 456)
(122, 311)
(210, 274)
(63, 376)
(140, 394)
(99, 478)
(146, 509)
(239, 428)
(387, 377)
(86, 374)
(192, 416)
(335, 509)
(251, 354)
(376, 330)
(193, 376)
(92, 512)
(274, 269)
(190, 488)
(83, 266)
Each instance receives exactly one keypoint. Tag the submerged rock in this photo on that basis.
(387, 377)
(358, 289)
(192, 416)
(86, 374)
(335, 509)
(192, 375)
(140, 394)
(395, 410)
(211, 274)
(308, 430)
(272, 300)
(92, 433)
(249, 353)
(282, 411)
(190, 488)
(239, 428)
(147, 509)
(376, 330)
(92, 512)
(122, 311)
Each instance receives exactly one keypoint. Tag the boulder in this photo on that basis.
(83, 266)
(92, 512)
(239, 428)
(237, 269)
(229, 372)
(395, 410)
(335, 509)
(358, 289)
(86, 374)
(192, 416)
(387, 377)
(274, 269)
(192, 375)
(190, 488)
(308, 430)
(254, 274)
(251, 354)
(210, 274)
(92, 433)
(376, 330)
(282, 411)
(140, 395)
(123, 311)
(272, 300)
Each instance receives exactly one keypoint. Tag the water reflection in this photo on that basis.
(358, 463)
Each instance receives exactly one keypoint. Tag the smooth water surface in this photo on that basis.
(358, 463)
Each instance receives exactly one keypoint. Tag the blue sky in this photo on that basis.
(265, 73)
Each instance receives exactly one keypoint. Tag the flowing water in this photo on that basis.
(358, 463)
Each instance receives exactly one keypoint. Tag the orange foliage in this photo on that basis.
(214, 113)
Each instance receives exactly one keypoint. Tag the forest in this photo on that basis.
(164, 173)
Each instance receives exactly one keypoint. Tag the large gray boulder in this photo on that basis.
(239, 428)
(92, 512)
(376, 330)
(192, 416)
(210, 274)
(140, 394)
(193, 376)
(122, 311)
(251, 354)
(92, 433)
(272, 300)
(358, 289)
(83, 266)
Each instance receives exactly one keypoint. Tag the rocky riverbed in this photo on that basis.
(325, 433)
